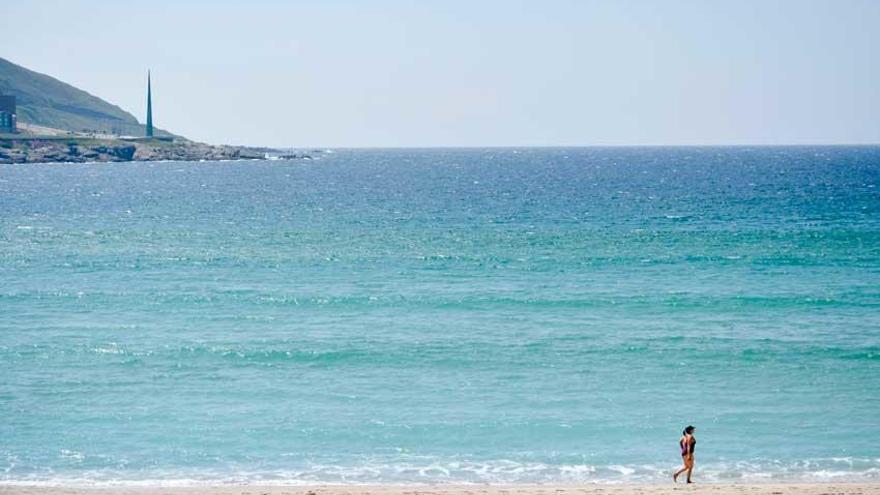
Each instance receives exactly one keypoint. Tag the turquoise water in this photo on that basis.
(485, 315)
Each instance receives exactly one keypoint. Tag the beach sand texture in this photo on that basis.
(595, 489)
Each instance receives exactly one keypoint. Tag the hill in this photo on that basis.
(45, 101)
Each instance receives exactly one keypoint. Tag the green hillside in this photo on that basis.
(46, 101)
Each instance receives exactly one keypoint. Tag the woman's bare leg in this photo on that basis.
(683, 469)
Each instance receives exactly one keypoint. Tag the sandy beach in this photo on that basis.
(596, 489)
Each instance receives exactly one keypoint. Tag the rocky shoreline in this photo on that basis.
(36, 150)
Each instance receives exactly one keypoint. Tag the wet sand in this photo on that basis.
(595, 489)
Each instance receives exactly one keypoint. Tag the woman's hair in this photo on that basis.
(688, 430)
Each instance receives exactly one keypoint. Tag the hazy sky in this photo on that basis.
(469, 73)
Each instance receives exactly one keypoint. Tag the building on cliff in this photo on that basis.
(7, 113)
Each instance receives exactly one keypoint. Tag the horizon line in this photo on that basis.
(559, 146)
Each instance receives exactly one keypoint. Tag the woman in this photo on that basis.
(688, 443)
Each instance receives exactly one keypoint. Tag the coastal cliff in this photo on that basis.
(46, 101)
(57, 122)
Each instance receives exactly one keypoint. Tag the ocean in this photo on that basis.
(535, 315)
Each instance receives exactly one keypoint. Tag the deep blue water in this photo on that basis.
(501, 315)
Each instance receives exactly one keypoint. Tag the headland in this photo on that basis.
(43, 119)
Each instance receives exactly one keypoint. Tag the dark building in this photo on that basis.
(7, 113)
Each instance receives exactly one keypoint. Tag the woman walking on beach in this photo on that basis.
(688, 443)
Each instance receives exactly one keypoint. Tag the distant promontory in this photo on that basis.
(47, 120)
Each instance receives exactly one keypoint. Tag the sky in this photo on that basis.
(337, 73)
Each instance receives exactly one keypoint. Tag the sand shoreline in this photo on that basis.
(831, 488)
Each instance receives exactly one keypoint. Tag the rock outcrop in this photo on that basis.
(116, 150)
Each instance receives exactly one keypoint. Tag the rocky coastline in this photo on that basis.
(36, 150)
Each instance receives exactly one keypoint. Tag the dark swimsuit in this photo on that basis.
(684, 446)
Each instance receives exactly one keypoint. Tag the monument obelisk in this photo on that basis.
(149, 108)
